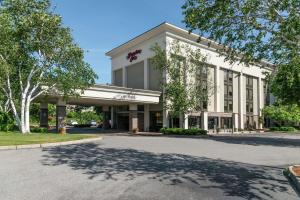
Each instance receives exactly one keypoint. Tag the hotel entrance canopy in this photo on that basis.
(100, 95)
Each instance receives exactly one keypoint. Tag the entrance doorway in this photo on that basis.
(156, 121)
(123, 121)
(213, 123)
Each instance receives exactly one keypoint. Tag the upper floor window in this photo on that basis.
(266, 93)
(179, 67)
(202, 81)
(249, 94)
(228, 90)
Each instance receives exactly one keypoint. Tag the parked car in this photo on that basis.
(73, 123)
(93, 123)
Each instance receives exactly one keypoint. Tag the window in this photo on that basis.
(249, 95)
(201, 79)
(228, 91)
(194, 121)
(230, 107)
(204, 105)
(230, 76)
(179, 62)
(225, 104)
(226, 122)
(266, 93)
(213, 122)
(140, 107)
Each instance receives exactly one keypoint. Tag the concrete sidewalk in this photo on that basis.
(53, 144)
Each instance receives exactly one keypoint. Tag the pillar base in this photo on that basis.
(133, 120)
(204, 121)
(60, 117)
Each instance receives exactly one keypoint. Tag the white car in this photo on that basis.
(93, 123)
(73, 123)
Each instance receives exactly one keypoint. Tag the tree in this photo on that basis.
(6, 121)
(186, 86)
(283, 113)
(84, 114)
(252, 30)
(4, 104)
(286, 83)
(37, 56)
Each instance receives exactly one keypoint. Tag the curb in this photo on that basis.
(45, 145)
(295, 180)
(168, 135)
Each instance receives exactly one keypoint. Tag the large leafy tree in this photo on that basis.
(252, 30)
(283, 113)
(37, 55)
(186, 84)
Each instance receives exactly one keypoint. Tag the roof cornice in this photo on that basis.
(175, 31)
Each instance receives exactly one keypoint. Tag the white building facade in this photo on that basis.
(239, 92)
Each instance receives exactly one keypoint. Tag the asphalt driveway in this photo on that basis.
(121, 167)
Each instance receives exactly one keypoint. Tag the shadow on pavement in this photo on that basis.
(233, 178)
(258, 140)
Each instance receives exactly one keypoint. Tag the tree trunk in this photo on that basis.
(27, 115)
(15, 113)
(23, 107)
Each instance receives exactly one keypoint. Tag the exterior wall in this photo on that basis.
(120, 61)
(135, 75)
(215, 59)
(155, 107)
(118, 77)
(211, 99)
(235, 102)
(221, 91)
(255, 96)
(244, 96)
(261, 96)
(155, 77)
(141, 74)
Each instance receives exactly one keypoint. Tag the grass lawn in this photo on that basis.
(15, 138)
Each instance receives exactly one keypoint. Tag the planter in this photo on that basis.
(62, 130)
(295, 170)
(135, 130)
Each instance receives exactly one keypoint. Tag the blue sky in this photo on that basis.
(100, 25)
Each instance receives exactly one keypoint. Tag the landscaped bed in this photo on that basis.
(285, 129)
(182, 131)
(15, 138)
(296, 170)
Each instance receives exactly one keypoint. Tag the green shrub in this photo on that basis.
(181, 131)
(283, 128)
(38, 130)
(6, 122)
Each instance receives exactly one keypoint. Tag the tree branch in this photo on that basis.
(42, 91)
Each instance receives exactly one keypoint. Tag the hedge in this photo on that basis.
(181, 131)
(283, 128)
(38, 130)
(82, 125)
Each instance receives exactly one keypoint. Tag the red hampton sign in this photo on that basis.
(133, 55)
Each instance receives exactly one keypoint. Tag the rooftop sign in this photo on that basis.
(133, 55)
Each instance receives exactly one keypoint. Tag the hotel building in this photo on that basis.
(239, 91)
(134, 99)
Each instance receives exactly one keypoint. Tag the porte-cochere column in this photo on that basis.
(44, 115)
(60, 114)
(133, 117)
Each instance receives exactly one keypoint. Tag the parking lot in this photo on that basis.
(131, 167)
